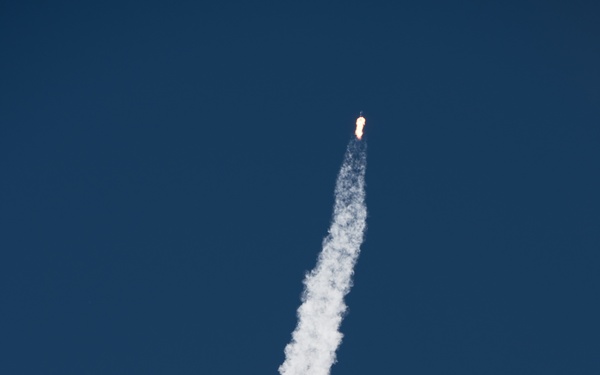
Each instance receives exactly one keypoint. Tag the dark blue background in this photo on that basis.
(168, 171)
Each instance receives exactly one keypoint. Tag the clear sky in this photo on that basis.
(168, 172)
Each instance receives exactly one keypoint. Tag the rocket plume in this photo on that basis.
(360, 124)
(316, 337)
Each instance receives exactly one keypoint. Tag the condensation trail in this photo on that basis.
(317, 336)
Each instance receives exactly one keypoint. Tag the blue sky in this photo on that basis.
(168, 174)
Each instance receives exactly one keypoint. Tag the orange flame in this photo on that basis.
(360, 124)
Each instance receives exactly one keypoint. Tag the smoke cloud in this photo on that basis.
(316, 337)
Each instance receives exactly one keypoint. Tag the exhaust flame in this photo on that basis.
(360, 124)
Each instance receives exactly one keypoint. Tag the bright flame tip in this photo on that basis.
(360, 124)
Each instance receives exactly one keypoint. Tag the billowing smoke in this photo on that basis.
(317, 336)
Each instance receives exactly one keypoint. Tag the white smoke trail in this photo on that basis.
(316, 338)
